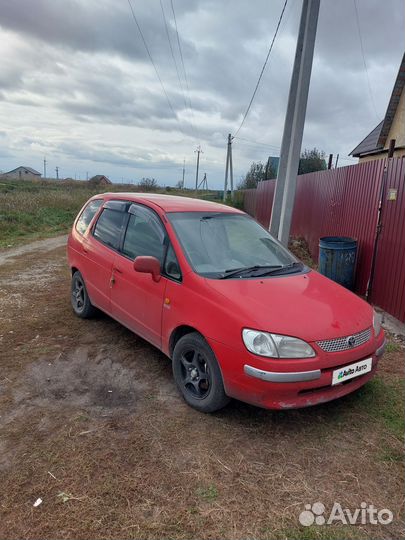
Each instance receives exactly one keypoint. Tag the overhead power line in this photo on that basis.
(172, 52)
(263, 68)
(273, 146)
(182, 63)
(364, 60)
(152, 62)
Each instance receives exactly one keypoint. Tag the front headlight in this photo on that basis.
(377, 320)
(276, 345)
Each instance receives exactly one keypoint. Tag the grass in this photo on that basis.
(208, 494)
(393, 347)
(161, 470)
(392, 455)
(40, 209)
(31, 210)
(383, 401)
(325, 532)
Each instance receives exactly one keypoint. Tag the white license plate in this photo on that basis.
(351, 371)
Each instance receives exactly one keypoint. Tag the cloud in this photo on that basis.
(76, 83)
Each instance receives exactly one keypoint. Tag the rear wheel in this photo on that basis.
(80, 299)
(197, 374)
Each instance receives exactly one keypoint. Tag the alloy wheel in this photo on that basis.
(78, 295)
(195, 373)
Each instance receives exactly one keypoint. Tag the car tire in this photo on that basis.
(79, 297)
(197, 374)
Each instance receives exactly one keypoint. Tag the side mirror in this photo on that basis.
(148, 265)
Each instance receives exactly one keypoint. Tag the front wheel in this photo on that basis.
(197, 374)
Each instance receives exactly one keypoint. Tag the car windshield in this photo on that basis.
(221, 245)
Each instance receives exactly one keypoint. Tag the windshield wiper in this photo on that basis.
(269, 270)
(239, 271)
(282, 269)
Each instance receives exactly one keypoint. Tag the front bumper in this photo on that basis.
(282, 377)
(380, 351)
(275, 384)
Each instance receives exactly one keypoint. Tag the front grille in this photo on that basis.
(345, 343)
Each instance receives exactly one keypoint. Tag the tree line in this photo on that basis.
(310, 161)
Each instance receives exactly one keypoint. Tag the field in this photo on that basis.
(32, 210)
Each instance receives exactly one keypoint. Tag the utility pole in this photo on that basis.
(198, 152)
(284, 195)
(330, 161)
(204, 182)
(184, 172)
(337, 159)
(57, 173)
(228, 168)
(44, 168)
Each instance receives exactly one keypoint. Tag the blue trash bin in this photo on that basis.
(337, 259)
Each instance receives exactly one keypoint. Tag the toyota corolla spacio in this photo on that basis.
(237, 313)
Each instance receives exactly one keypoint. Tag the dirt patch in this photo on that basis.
(79, 379)
(34, 247)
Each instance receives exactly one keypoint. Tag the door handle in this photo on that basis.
(85, 250)
(112, 278)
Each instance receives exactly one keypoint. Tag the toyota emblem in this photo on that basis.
(351, 341)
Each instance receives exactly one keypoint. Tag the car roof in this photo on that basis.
(172, 203)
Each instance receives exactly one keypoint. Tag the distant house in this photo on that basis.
(100, 180)
(392, 127)
(23, 173)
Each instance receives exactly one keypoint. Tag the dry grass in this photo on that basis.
(299, 247)
(136, 462)
(39, 209)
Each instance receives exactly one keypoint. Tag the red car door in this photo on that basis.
(136, 299)
(99, 252)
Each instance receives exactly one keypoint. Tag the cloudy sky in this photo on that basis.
(77, 86)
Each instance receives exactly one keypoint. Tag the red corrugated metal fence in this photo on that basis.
(344, 202)
(389, 278)
(249, 201)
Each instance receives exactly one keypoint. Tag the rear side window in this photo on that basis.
(87, 215)
(109, 227)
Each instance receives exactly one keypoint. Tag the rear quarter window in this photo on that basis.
(87, 215)
(109, 227)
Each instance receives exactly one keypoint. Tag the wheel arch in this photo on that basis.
(178, 333)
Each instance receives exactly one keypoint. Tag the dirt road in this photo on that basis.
(91, 423)
(39, 246)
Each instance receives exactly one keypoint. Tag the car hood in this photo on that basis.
(306, 305)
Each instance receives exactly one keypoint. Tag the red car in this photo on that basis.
(237, 313)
